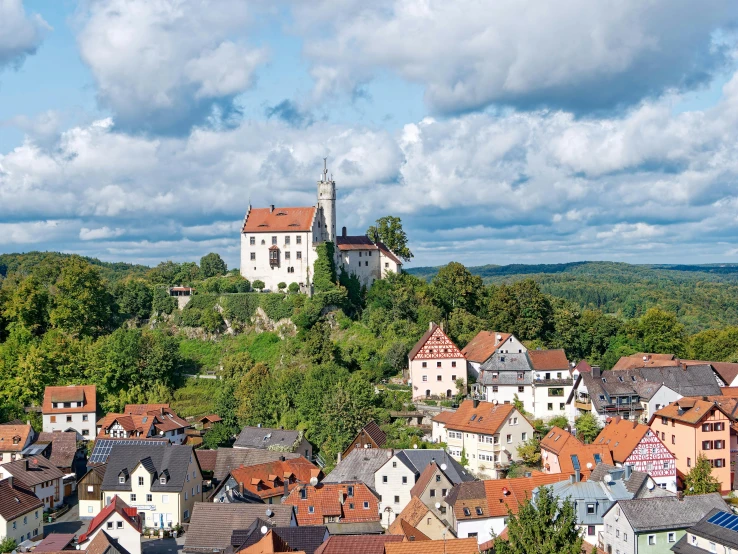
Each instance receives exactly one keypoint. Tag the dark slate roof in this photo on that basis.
(359, 466)
(63, 447)
(173, 459)
(231, 458)
(682, 546)
(634, 485)
(306, 538)
(358, 528)
(715, 533)
(212, 525)
(378, 436)
(16, 500)
(33, 471)
(417, 460)
(660, 514)
(264, 437)
(505, 363)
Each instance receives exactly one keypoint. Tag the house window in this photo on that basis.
(673, 439)
(287, 240)
(453, 377)
(397, 499)
(521, 389)
(298, 240)
(253, 255)
(524, 436)
(274, 240)
(149, 498)
(433, 493)
(384, 478)
(651, 539)
(163, 480)
(425, 378)
(303, 494)
(119, 525)
(453, 364)
(550, 407)
(52, 419)
(121, 479)
(494, 388)
(439, 378)
(509, 439)
(671, 537)
(479, 511)
(438, 364)
(689, 462)
(286, 255)
(394, 464)
(85, 432)
(521, 375)
(252, 241)
(404, 480)
(366, 505)
(591, 530)
(133, 497)
(590, 509)
(140, 481)
(110, 525)
(351, 490)
(424, 364)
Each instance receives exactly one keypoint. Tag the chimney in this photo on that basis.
(577, 476)
(341, 498)
(430, 326)
(25, 463)
(628, 471)
(9, 479)
(596, 373)
(240, 487)
(572, 479)
(343, 231)
(282, 458)
(476, 402)
(286, 491)
(271, 208)
(680, 496)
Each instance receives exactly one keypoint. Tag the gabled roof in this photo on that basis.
(573, 455)
(33, 471)
(726, 371)
(359, 465)
(485, 418)
(444, 416)
(416, 461)
(378, 436)
(55, 542)
(264, 437)
(621, 436)
(228, 459)
(103, 543)
(13, 438)
(448, 546)
(268, 544)
(556, 439)
(425, 477)
(267, 480)
(140, 409)
(268, 220)
(207, 459)
(413, 514)
(384, 249)
(141, 425)
(645, 359)
(16, 499)
(87, 394)
(669, 512)
(305, 539)
(333, 500)
(171, 461)
(355, 242)
(212, 418)
(410, 532)
(688, 410)
(357, 544)
(483, 345)
(128, 514)
(548, 360)
(63, 447)
(715, 527)
(433, 331)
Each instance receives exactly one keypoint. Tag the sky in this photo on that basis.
(500, 131)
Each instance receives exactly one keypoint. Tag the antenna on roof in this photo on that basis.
(325, 170)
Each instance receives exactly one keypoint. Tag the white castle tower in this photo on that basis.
(327, 204)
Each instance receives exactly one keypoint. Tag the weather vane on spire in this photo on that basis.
(325, 170)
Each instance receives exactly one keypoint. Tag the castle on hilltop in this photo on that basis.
(278, 245)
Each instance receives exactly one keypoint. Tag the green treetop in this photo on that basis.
(211, 265)
(700, 479)
(389, 230)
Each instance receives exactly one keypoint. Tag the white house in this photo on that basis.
(279, 245)
(485, 344)
(435, 363)
(21, 512)
(38, 475)
(70, 408)
(120, 522)
(14, 439)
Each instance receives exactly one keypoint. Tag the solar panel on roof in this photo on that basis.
(102, 448)
(725, 520)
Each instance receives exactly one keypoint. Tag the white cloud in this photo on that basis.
(577, 54)
(20, 34)
(100, 233)
(164, 64)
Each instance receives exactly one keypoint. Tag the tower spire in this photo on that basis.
(325, 170)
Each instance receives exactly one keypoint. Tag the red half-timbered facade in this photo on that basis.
(632, 443)
(435, 364)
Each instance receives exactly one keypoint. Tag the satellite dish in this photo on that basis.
(651, 485)
(589, 465)
(269, 512)
(438, 505)
(415, 446)
(494, 402)
(264, 529)
(443, 467)
(314, 481)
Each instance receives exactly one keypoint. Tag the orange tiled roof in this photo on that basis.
(731, 392)
(424, 478)
(585, 453)
(547, 360)
(449, 546)
(444, 416)
(266, 220)
(140, 409)
(556, 439)
(87, 394)
(267, 480)
(486, 418)
(413, 513)
(694, 410)
(621, 436)
(13, 437)
(483, 345)
(325, 500)
(635, 361)
(408, 531)
(140, 424)
(356, 544)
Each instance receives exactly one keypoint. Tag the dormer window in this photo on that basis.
(163, 479)
(121, 479)
(303, 494)
(351, 490)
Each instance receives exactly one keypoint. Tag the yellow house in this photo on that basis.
(162, 483)
(21, 512)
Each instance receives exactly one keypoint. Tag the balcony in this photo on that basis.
(582, 405)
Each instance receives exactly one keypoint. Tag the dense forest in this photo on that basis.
(313, 363)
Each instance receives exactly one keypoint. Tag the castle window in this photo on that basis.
(252, 241)
(287, 240)
(298, 239)
(274, 240)
(359, 254)
(287, 255)
(366, 263)
(262, 241)
(253, 255)
(273, 257)
(299, 254)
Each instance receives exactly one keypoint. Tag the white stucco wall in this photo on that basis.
(119, 529)
(26, 526)
(83, 423)
(542, 400)
(505, 394)
(482, 527)
(450, 370)
(394, 470)
(663, 397)
(260, 268)
(365, 264)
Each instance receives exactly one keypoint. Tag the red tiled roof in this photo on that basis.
(357, 544)
(207, 459)
(448, 546)
(266, 220)
(361, 242)
(212, 418)
(583, 367)
(621, 436)
(54, 542)
(140, 424)
(556, 439)
(635, 361)
(548, 360)
(130, 515)
(13, 437)
(267, 480)
(486, 418)
(564, 446)
(409, 532)
(87, 394)
(443, 417)
(483, 345)
(695, 410)
(413, 513)
(726, 370)
(140, 409)
(325, 500)
(424, 479)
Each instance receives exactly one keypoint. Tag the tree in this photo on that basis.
(8, 544)
(294, 288)
(559, 421)
(161, 302)
(211, 320)
(281, 286)
(212, 265)
(258, 285)
(464, 461)
(136, 299)
(455, 287)
(660, 331)
(218, 435)
(530, 452)
(82, 305)
(700, 479)
(463, 326)
(587, 427)
(388, 229)
(324, 268)
(543, 525)
(28, 306)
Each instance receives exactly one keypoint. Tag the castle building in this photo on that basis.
(279, 245)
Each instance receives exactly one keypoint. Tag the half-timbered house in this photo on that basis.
(435, 363)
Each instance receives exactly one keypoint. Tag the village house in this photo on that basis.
(395, 480)
(485, 344)
(73, 407)
(62, 450)
(654, 524)
(14, 439)
(227, 459)
(355, 544)
(506, 377)
(21, 511)
(360, 466)
(562, 452)
(279, 245)
(207, 421)
(268, 482)
(432, 487)
(488, 435)
(333, 503)
(163, 483)
(635, 444)
(277, 440)
(370, 436)
(410, 533)
(119, 522)
(144, 421)
(551, 382)
(213, 526)
(417, 516)
(284, 539)
(447, 546)
(692, 427)
(435, 363)
(89, 492)
(716, 531)
(38, 475)
(479, 508)
(627, 393)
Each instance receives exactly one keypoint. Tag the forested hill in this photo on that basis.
(49, 263)
(702, 296)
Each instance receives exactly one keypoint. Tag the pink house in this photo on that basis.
(435, 363)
